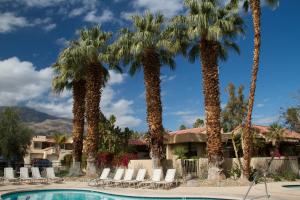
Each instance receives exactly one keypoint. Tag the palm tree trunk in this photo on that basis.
(255, 7)
(93, 94)
(236, 153)
(154, 109)
(210, 73)
(78, 126)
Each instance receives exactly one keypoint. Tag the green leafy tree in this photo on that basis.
(15, 137)
(182, 127)
(235, 110)
(113, 139)
(198, 123)
(211, 29)
(147, 46)
(292, 118)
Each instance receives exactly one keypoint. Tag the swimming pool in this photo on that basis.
(292, 186)
(68, 194)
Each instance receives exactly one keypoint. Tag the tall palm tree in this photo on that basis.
(255, 6)
(69, 76)
(93, 43)
(211, 29)
(147, 46)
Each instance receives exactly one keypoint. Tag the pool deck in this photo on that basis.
(276, 190)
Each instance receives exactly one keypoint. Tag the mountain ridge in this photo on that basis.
(42, 123)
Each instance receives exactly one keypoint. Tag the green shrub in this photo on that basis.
(67, 161)
(275, 177)
(289, 176)
(180, 152)
(62, 173)
(235, 172)
(83, 161)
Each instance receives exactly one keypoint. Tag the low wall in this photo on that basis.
(147, 164)
(278, 165)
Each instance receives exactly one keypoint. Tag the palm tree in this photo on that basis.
(93, 44)
(69, 76)
(211, 29)
(59, 140)
(256, 17)
(147, 47)
(275, 134)
(198, 123)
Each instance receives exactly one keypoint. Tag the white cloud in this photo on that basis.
(106, 16)
(63, 42)
(76, 12)
(20, 81)
(165, 78)
(266, 120)
(115, 77)
(49, 27)
(9, 21)
(187, 117)
(168, 7)
(182, 113)
(42, 3)
(260, 105)
(62, 105)
(54, 106)
(128, 15)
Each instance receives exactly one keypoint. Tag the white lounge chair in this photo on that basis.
(127, 177)
(51, 175)
(9, 175)
(37, 176)
(139, 178)
(156, 177)
(118, 176)
(24, 175)
(169, 179)
(103, 176)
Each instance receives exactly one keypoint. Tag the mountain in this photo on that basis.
(43, 123)
(30, 115)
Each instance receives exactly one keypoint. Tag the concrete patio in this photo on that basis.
(276, 190)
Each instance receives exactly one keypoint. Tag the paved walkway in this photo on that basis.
(275, 189)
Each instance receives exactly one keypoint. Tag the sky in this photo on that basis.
(33, 32)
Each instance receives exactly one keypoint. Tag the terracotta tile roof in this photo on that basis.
(262, 130)
(287, 133)
(191, 135)
(200, 130)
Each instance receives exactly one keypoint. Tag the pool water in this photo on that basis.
(78, 195)
(292, 186)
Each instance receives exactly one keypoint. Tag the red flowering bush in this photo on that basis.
(125, 158)
(104, 159)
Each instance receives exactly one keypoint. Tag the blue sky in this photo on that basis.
(32, 32)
